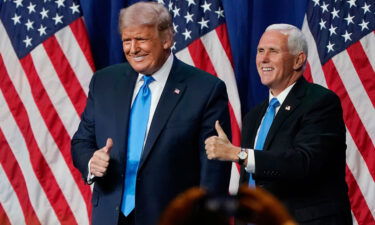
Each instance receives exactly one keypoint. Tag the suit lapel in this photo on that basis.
(172, 93)
(286, 109)
(124, 91)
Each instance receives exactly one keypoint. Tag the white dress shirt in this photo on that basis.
(250, 166)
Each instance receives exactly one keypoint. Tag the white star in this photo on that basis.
(170, 6)
(57, 19)
(174, 46)
(161, 2)
(175, 28)
(363, 25)
(176, 11)
(46, 1)
(347, 36)
(203, 23)
(349, 19)
(189, 17)
(31, 8)
(332, 30)
(16, 19)
(44, 13)
(324, 7)
(366, 8)
(60, 3)
(206, 6)
(335, 13)
(316, 2)
(322, 24)
(330, 46)
(29, 24)
(27, 41)
(42, 30)
(190, 2)
(352, 3)
(74, 8)
(18, 3)
(187, 34)
(220, 13)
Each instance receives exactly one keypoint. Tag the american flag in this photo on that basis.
(342, 57)
(45, 69)
(201, 40)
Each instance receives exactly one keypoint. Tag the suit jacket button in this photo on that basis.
(117, 208)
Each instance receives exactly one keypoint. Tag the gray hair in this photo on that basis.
(296, 39)
(147, 13)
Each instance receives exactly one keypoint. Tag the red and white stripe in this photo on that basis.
(351, 75)
(212, 53)
(41, 98)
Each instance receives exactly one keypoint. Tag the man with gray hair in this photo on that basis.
(293, 144)
(141, 138)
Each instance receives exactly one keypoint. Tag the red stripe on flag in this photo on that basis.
(40, 166)
(4, 220)
(79, 31)
(307, 73)
(222, 32)
(200, 57)
(236, 132)
(65, 74)
(17, 180)
(351, 117)
(364, 69)
(54, 124)
(358, 203)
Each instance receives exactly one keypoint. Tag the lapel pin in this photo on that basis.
(177, 91)
(287, 108)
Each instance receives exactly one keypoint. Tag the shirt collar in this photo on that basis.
(162, 74)
(282, 96)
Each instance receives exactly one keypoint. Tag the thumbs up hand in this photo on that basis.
(100, 160)
(219, 147)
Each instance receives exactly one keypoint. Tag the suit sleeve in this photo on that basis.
(83, 143)
(215, 175)
(315, 143)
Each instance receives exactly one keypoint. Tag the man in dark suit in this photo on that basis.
(293, 144)
(141, 138)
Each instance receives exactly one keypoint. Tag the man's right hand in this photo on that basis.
(100, 160)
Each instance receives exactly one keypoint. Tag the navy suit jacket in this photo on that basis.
(303, 161)
(173, 158)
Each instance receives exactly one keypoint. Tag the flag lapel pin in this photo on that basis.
(176, 91)
(287, 108)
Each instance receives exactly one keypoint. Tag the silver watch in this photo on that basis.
(242, 156)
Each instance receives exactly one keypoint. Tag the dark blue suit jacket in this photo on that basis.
(173, 158)
(303, 160)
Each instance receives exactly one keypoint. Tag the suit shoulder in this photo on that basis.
(113, 70)
(194, 73)
(320, 92)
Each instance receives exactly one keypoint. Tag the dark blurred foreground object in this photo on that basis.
(197, 207)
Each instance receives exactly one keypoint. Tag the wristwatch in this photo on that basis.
(242, 156)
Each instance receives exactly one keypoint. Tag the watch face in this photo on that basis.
(242, 155)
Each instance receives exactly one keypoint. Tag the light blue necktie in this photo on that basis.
(264, 128)
(137, 131)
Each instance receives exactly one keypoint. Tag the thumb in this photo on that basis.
(108, 145)
(220, 131)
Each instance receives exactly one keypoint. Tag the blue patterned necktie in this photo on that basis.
(139, 115)
(264, 128)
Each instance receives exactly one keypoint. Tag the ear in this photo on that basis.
(167, 43)
(299, 61)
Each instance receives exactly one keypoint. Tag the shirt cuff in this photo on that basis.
(90, 176)
(250, 166)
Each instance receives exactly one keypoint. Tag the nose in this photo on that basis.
(134, 47)
(264, 57)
